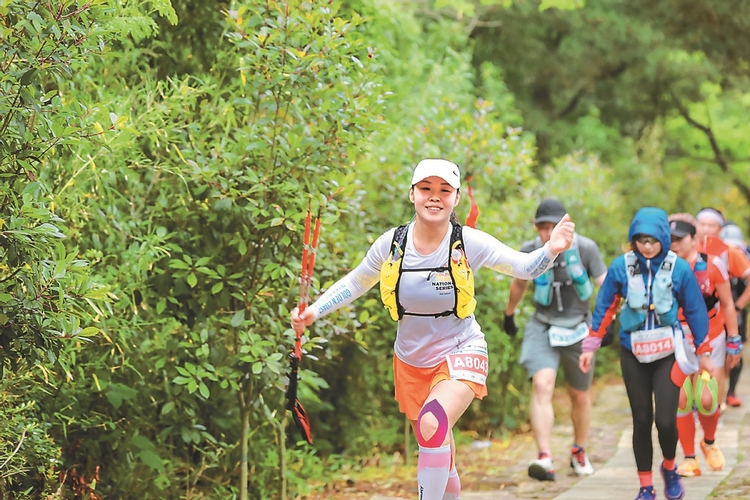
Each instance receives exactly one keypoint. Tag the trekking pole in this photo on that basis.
(293, 404)
(304, 281)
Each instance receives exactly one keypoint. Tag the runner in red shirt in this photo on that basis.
(701, 390)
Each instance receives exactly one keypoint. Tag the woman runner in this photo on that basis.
(654, 283)
(441, 361)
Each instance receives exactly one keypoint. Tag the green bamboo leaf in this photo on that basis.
(89, 331)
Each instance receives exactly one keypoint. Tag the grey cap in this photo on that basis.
(732, 234)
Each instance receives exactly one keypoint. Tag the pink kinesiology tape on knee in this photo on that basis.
(438, 412)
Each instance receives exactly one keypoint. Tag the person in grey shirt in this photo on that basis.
(554, 334)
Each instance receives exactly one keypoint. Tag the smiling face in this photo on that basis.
(434, 200)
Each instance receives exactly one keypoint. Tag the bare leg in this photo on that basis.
(542, 413)
(580, 414)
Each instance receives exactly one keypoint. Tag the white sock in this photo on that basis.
(433, 468)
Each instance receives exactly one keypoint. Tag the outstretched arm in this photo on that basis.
(484, 250)
(342, 293)
(350, 287)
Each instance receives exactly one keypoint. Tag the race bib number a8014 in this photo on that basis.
(470, 363)
(651, 345)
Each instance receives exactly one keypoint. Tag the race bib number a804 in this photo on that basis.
(470, 363)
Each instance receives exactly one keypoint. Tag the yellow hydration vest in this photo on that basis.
(458, 268)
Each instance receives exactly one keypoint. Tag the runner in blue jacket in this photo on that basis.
(654, 284)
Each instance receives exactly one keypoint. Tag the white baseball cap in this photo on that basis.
(446, 170)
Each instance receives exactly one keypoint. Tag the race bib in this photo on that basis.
(563, 337)
(469, 362)
(651, 345)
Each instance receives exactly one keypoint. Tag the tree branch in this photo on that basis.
(23, 435)
(719, 158)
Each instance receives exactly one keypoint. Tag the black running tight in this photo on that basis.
(642, 380)
(734, 377)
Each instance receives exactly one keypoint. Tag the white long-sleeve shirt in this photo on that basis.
(425, 341)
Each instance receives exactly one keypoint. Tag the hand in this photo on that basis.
(562, 235)
(733, 360)
(509, 325)
(584, 361)
(706, 365)
(301, 321)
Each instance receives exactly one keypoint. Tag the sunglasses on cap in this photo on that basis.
(644, 238)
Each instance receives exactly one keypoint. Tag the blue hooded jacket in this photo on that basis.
(652, 222)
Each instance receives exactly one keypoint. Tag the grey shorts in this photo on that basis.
(537, 354)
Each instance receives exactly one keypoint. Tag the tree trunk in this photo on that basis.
(282, 454)
(245, 417)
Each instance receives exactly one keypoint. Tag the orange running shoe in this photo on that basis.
(689, 468)
(714, 456)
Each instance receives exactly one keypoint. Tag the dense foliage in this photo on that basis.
(158, 162)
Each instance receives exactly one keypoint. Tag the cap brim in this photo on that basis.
(453, 183)
(678, 233)
(549, 218)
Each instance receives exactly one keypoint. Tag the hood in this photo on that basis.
(651, 221)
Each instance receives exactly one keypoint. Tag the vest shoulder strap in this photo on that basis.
(398, 244)
(457, 234)
(666, 269)
(667, 266)
(572, 253)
